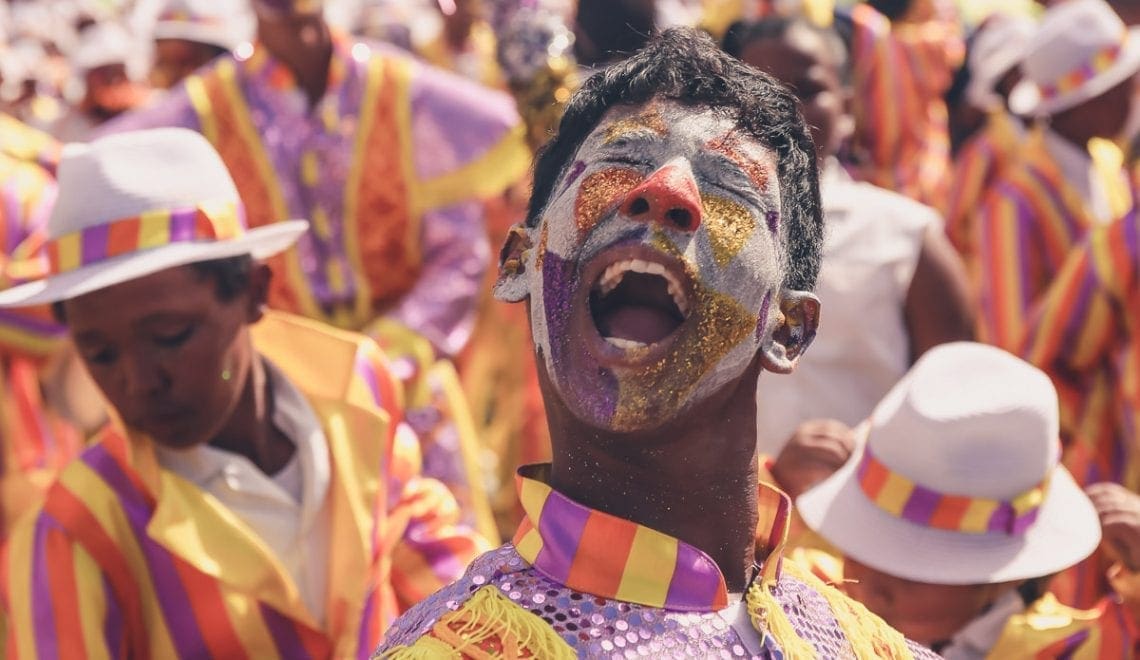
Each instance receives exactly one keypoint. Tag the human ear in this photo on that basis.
(260, 276)
(514, 259)
(795, 329)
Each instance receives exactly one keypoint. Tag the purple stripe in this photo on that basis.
(31, 325)
(363, 643)
(182, 225)
(364, 370)
(284, 634)
(560, 527)
(696, 580)
(171, 593)
(1001, 520)
(43, 611)
(113, 633)
(1022, 523)
(921, 504)
(93, 244)
(1073, 327)
(436, 553)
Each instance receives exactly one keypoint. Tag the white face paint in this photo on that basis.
(656, 265)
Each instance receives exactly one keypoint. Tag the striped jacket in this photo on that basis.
(1030, 220)
(126, 559)
(901, 72)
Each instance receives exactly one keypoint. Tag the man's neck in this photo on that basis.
(694, 480)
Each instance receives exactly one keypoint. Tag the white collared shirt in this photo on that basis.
(1077, 168)
(288, 511)
(977, 639)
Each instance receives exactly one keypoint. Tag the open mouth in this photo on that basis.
(636, 304)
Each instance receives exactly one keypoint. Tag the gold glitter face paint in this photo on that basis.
(649, 121)
(722, 268)
(601, 192)
(729, 226)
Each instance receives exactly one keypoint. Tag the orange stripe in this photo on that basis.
(64, 593)
(72, 514)
(602, 535)
(875, 478)
(948, 514)
(209, 611)
(524, 527)
(122, 237)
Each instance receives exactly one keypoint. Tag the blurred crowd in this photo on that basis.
(961, 441)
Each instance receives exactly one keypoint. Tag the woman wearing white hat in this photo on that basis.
(201, 523)
(1080, 82)
(955, 511)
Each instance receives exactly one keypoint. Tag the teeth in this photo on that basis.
(625, 344)
(616, 271)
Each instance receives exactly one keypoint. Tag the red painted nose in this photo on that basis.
(669, 197)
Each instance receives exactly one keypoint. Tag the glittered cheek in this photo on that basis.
(729, 226)
(600, 193)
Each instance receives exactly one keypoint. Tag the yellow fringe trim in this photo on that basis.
(768, 617)
(870, 637)
(488, 615)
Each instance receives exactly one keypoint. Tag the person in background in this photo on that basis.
(891, 282)
(995, 68)
(955, 510)
(904, 53)
(391, 160)
(189, 34)
(672, 232)
(1080, 81)
(465, 43)
(105, 58)
(256, 494)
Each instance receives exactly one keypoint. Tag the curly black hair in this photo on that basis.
(686, 66)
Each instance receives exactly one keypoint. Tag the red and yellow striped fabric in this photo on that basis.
(126, 559)
(1030, 220)
(980, 162)
(901, 72)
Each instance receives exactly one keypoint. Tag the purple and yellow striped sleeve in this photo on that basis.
(1076, 327)
(63, 604)
(1009, 266)
(973, 169)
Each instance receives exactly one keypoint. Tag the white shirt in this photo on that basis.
(1077, 169)
(975, 641)
(287, 511)
(872, 242)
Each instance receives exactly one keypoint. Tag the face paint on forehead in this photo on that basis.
(731, 147)
(648, 121)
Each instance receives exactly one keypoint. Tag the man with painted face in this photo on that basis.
(673, 231)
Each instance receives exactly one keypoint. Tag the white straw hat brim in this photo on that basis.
(260, 243)
(1066, 531)
(227, 36)
(1026, 99)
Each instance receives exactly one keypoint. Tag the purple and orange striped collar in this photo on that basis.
(606, 556)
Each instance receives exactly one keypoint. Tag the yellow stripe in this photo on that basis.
(401, 89)
(530, 545)
(21, 560)
(894, 494)
(977, 516)
(103, 504)
(196, 90)
(69, 251)
(309, 168)
(93, 607)
(375, 77)
(154, 229)
(29, 342)
(533, 496)
(649, 568)
(498, 167)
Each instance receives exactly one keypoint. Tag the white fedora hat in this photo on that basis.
(136, 203)
(999, 46)
(958, 480)
(1081, 50)
(222, 23)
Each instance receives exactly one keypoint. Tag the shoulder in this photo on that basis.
(880, 209)
(488, 569)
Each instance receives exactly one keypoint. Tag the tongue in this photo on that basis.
(647, 325)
